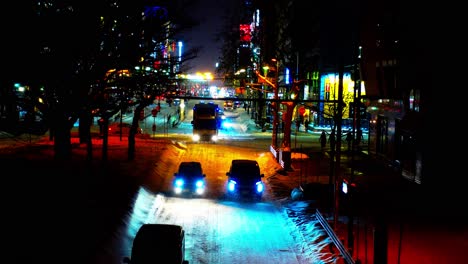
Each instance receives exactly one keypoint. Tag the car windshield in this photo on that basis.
(246, 170)
(190, 169)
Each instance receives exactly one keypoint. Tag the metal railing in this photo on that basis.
(346, 256)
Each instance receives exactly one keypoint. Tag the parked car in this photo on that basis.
(189, 179)
(155, 243)
(114, 128)
(245, 179)
(228, 105)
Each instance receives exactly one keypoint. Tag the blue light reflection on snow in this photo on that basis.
(144, 208)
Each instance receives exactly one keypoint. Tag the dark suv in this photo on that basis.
(245, 179)
(189, 179)
(156, 242)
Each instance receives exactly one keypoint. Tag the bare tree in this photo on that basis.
(72, 45)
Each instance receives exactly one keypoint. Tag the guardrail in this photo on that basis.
(346, 256)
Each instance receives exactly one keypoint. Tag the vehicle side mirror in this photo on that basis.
(126, 260)
(227, 173)
(204, 175)
(262, 175)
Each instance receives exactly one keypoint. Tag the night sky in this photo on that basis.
(210, 13)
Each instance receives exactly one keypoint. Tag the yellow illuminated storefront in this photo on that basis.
(329, 92)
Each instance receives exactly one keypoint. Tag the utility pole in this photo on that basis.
(354, 146)
(275, 105)
(337, 164)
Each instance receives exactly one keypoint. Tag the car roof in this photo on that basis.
(244, 161)
(169, 231)
(190, 163)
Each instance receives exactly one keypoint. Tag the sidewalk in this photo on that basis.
(10, 141)
(413, 225)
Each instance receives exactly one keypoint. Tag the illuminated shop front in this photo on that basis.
(329, 92)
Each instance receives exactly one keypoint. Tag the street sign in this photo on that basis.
(154, 112)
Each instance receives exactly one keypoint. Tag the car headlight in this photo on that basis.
(178, 186)
(199, 187)
(199, 184)
(231, 186)
(179, 183)
(214, 138)
(196, 137)
(259, 186)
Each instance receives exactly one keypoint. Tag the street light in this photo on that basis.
(275, 86)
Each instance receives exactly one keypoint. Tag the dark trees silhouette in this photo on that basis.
(66, 50)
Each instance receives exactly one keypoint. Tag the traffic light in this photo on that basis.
(363, 111)
(361, 108)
